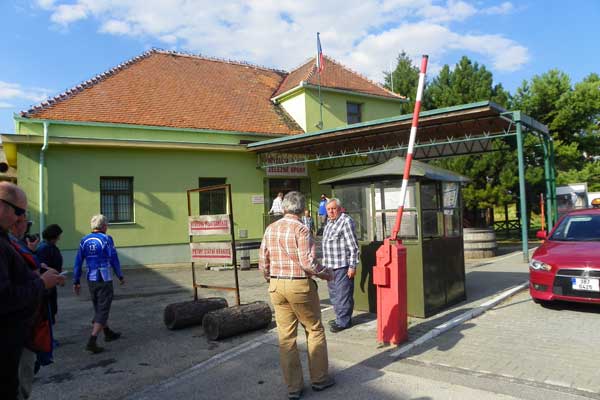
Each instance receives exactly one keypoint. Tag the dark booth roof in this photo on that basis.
(394, 168)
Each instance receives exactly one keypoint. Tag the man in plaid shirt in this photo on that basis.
(340, 254)
(286, 257)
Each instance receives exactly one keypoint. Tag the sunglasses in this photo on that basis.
(18, 210)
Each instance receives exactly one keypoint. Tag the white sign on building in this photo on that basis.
(211, 252)
(298, 169)
(204, 225)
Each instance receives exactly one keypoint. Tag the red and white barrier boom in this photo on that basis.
(389, 274)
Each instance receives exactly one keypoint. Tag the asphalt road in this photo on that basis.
(516, 350)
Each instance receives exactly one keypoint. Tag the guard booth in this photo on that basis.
(431, 230)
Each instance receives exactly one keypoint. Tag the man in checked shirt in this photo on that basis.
(287, 260)
(340, 255)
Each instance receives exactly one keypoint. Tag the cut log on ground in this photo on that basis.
(188, 313)
(227, 322)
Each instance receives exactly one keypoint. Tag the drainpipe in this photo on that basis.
(41, 177)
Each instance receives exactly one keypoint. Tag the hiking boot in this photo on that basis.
(110, 335)
(93, 347)
(335, 328)
(327, 383)
(295, 395)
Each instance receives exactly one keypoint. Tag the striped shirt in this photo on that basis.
(340, 246)
(287, 250)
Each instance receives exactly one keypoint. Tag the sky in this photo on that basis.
(49, 46)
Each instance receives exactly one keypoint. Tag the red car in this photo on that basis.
(567, 265)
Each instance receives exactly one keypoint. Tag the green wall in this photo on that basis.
(160, 180)
(334, 108)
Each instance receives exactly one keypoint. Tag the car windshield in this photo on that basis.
(578, 228)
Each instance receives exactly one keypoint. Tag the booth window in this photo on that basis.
(452, 215)
(354, 202)
(430, 207)
(212, 202)
(353, 113)
(116, 198)
(387, 201)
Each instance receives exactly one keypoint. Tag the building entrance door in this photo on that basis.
(281, 185)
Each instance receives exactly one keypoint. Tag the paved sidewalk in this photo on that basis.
(152, 362)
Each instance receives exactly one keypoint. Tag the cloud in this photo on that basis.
(504, 8)
(116, 27)
(45, 4)
(363, 34)
(67, 13)
(453, 11)
(505, 54)
(14, 91)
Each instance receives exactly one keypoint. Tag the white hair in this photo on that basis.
(294, 203)
(98, 222)
(335, 200)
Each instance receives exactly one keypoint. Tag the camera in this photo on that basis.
(31, 237)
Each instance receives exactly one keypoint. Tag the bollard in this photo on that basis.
(389, 275)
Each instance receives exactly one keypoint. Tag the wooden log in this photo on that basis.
(227, 322)
(188, 313)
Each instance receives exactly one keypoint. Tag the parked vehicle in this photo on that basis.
(571, 197)
(567, 265)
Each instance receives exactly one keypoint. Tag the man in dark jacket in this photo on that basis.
(21, 289)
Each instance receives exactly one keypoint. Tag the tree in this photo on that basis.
(577, 116)
(468, 82)
(493, 175)
(403, 80)
(572, 115)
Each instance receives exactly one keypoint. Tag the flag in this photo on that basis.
(320, 65)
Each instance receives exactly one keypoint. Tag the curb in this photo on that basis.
(446, 326)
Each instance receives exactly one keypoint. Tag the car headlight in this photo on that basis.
(539, 266)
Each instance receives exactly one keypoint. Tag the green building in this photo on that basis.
(130, 142)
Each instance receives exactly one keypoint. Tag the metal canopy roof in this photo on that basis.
(395, 168)
(464, 129)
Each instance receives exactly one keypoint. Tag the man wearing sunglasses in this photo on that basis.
(21, 290)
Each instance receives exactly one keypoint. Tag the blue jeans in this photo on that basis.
(341, 295)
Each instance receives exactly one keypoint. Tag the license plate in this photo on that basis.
(590, 285)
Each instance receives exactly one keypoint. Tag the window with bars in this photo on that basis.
(212, 202)
(353, 113)
(116, 198)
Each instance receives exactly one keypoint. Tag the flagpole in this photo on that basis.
(320, 105)
(319, 68)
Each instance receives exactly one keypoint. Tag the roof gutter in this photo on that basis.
(18, 119)
(125, 143)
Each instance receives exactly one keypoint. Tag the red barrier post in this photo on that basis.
(389, 273)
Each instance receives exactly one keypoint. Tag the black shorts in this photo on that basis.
(102, 295)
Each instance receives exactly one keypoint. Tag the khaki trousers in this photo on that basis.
(298, 301)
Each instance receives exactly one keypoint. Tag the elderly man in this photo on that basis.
(287, 260)
(21, 290)
(99, 252)
(340, 254)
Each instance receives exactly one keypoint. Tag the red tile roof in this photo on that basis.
(170, 89)
(176, 90)
(335, 76)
